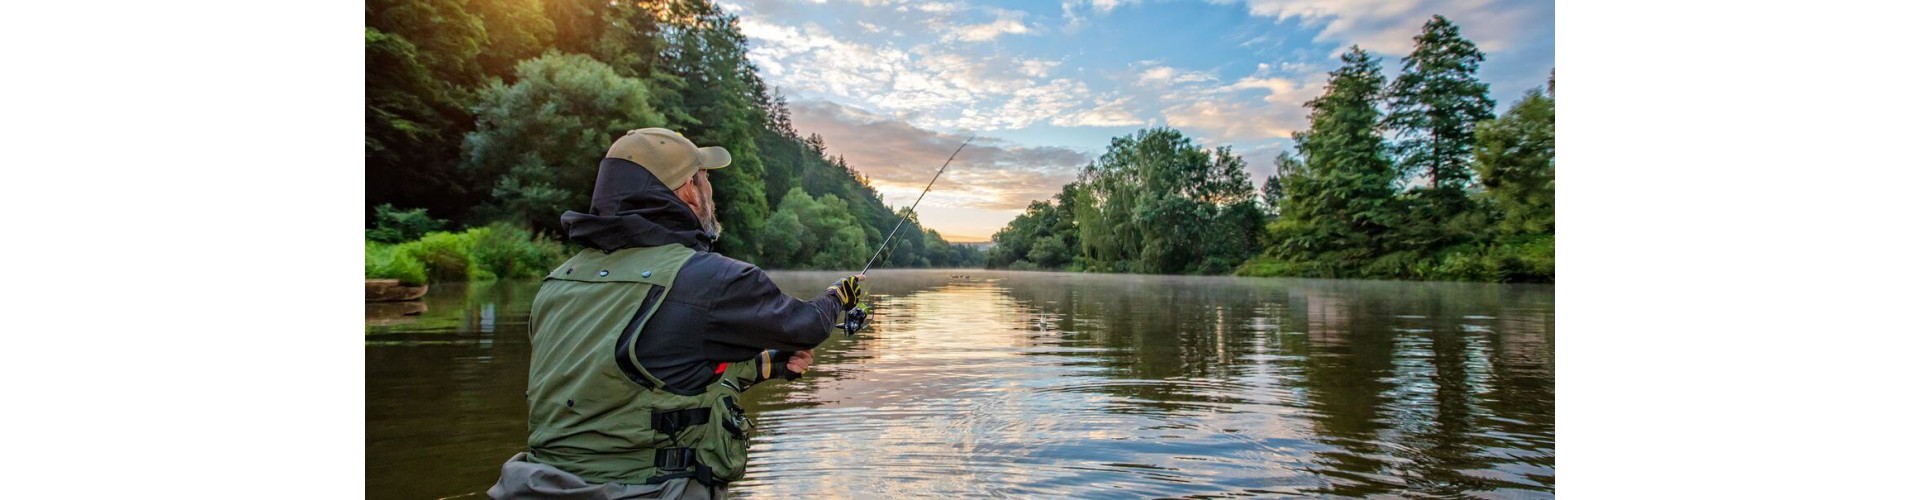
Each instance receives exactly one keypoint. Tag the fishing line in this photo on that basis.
(916, 204)
(858, 316)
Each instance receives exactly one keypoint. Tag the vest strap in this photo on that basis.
(686, 462)
(671, 422)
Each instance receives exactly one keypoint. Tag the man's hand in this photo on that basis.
(800, 361)
(848, 291)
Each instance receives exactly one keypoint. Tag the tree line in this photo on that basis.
(497, 111)
(1410, 179)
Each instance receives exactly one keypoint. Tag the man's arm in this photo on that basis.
(750, 311)
(768, 365)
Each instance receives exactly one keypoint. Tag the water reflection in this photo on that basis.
(1029, 384)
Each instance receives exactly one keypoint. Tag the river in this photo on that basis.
(986, 383)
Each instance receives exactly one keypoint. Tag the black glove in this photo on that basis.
(774, 365)
(848, 291)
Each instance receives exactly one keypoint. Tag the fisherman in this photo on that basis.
(643, 342)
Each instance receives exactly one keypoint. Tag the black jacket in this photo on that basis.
(720, 309)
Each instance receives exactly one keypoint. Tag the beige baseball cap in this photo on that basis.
(670, 156)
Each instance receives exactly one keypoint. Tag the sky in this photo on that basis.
(896, 85)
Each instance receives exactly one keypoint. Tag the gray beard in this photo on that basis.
(710, 224)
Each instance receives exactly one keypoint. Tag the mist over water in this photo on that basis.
(1052, 384)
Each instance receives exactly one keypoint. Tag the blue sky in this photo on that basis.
(896, 85)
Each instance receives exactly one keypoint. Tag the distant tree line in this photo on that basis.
(1410, 179)
(486, 111)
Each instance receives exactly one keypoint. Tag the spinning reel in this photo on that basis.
(857, 319)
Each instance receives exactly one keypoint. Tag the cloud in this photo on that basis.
(1156, 75)
(1222, 119)
(1388, 26)
(1110, 112)
(990, 174)
(1255, 108)
(926, 85)
(1101, 6)
(1005, 22)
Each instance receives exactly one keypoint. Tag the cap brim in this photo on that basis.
(712, 157)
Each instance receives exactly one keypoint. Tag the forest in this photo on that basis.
(486, 119)
(1413, 178)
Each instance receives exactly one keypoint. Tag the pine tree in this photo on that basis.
(1435, 103)
(1340, 203)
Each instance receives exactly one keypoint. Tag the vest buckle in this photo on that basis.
(673, 459)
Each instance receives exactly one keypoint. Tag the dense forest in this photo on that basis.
(491, 115)
(1410, 179)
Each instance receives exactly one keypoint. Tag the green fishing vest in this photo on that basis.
(592, 410)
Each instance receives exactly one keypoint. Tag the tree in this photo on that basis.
(515, 29)
(805, 232)
(1435, 103)
(539, 139)
(424, 60)
(1273, 192)
(1340, 205)
(1154, 202)
(1514, 157)
(419, 73)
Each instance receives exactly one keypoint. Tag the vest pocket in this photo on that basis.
(723, 446)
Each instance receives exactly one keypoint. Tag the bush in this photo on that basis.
(446, 255)
(505, 251)
(388, 262)
(1398, 265)
(392, 225)
(477, 254)
(1523, 260)
(1465, 263)
(1268, 267)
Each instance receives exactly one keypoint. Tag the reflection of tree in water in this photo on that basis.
(1346, 366)
(1170, 346)
(1438, 421)
(1521, 398)
(1411, 388)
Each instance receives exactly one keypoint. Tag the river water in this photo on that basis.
(985, 383)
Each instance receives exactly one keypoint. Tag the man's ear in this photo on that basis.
(690, 194)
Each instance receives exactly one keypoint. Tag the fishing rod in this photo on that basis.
(857, 317)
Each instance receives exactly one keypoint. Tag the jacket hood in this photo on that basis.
(632, 208)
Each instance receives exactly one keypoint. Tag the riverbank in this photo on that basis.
(1514, 260)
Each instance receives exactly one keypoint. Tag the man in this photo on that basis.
(643, 342)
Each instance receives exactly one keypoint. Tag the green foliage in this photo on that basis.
(540, 136)
(1514, 157)
(1339, 201)
(1435, 103)
(424, 60)
(392, 225)
(1154, 202)
(805, 232)
(504, 251)
(447, 256)
(477, 254)
(1527, 259)
(386, 261)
